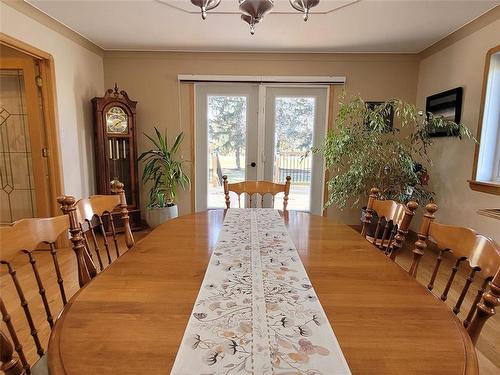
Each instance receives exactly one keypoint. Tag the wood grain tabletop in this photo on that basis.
(130, 319)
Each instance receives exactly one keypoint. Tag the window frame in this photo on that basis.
(483, 186)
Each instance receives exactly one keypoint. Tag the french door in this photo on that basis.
(252, 131)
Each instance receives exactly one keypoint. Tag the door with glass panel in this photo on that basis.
(252, 131)
(24, 190)
(226, 140)
(295, 121)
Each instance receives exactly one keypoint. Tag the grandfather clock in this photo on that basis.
(116, 148)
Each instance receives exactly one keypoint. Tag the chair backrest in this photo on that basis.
(391, 227)
(93, 215)
(479, 254)
(25, 236)
(261, 188)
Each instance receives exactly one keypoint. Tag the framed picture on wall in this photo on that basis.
(389, 118)
(447, 104)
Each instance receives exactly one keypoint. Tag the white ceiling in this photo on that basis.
(335, 26)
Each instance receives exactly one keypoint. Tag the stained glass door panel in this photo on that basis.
(24, 184)
(17, 194)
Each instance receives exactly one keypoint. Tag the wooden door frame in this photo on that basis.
(50, 118)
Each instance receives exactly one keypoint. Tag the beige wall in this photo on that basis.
(460, 64)
(151, 79)
(79, 77)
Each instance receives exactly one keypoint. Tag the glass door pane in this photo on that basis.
(293, 128)
(295, 122)
(226, 141)
(227, 130)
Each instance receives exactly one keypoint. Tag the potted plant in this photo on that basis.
(165, 172)
(365, 151)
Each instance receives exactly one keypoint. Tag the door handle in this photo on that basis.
(252, 164)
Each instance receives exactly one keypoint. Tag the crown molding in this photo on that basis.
(41, 17)
(476, 24)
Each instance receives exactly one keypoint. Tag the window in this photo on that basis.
(486, 173)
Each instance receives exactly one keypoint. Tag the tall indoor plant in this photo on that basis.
(164, 170)
(364, 151)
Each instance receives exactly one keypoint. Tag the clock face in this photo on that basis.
(116, 121)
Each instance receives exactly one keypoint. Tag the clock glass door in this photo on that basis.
(117, 129)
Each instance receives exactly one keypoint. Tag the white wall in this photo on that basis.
(460, 64)
(79, 77)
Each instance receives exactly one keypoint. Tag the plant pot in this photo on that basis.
(157, 216)
(372, 227)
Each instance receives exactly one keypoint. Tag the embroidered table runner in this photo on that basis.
(257, 312)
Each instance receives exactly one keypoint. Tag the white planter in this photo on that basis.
(157, 216)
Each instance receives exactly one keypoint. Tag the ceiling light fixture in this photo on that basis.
(304, 6)
(255, 10)
(205, 5)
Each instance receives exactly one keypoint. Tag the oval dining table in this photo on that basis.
(130, 319)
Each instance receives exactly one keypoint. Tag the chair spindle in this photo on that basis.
(384, 236)
(17, 344)
(104, 238)
(25, 306)
(60, 280)
(41, 289)
(477, 299)
(439, 259)
(377, 229)
(454, 270)
(113, 233)
(465, 289)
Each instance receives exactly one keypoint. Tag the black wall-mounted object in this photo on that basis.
(447, 104)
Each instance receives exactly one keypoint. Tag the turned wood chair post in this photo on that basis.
(287, 192)
(486, 309)
(17, 344)
(86, 267)
(423, 234)
(402, 231)
(226, 191)
(10, 364)
(369, 210)
(118, 189)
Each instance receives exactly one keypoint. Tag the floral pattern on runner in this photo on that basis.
(257, 312)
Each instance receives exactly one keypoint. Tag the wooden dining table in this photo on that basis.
(130, 319)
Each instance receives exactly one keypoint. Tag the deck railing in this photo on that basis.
(293, 164)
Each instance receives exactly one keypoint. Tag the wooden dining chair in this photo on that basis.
(261, 188)
(391, 227)
(25, 236)
(474, 253)
(91, 215)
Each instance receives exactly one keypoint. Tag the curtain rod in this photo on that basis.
(262, 79)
